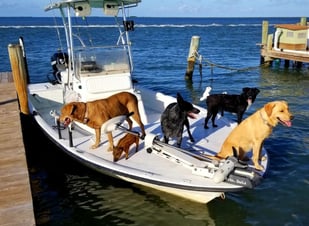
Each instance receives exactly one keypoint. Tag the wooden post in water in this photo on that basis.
(195, 42)
(264, 38)
(264, 32)
(19, 76)
(268, 60)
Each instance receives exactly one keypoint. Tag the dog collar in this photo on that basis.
(265, 121)
(86, 119)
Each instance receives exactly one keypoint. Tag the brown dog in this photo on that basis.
(251, 133)
(124, 146)
(95, 113)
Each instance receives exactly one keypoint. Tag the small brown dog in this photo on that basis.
(124, 145)
(251, 133)
(95, 113)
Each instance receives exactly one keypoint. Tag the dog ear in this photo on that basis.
(179, 98)
(73, 108)
(246, 89)
(269, 108)
(235, 153)
(120, 149)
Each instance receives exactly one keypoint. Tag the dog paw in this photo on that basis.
(259, 167)
(110, 149)
(264, 158)
(94, 146)
(206, 127)
(214, 126)
(245, 159)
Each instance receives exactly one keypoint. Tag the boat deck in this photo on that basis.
(142, 166)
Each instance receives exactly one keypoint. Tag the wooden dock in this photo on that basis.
(285, 51)
(16, 206)
(273, 54)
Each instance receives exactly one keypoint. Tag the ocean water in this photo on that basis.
(66, 193)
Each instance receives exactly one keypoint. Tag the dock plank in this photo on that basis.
(298, 57)
(16, 207)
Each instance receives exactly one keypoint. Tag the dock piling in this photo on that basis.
(19, 72)
(194, 45)
(264, 38)
(264, 32)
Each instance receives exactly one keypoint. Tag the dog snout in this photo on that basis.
(291, 117)
(66, 121)
(117, 153)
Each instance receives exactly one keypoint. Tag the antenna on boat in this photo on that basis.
(58, 32)
(126, 31)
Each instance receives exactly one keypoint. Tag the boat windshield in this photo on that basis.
(101, 61)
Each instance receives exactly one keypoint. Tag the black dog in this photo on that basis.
(232, 103)
(174, 118)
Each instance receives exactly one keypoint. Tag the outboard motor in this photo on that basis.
(59, 62)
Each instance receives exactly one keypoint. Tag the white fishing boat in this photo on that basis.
(86, 73)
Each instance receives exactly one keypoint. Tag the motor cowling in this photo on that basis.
(59, 62)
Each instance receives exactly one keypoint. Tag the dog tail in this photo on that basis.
(206, 93)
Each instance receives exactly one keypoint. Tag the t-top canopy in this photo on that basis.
(105, 4)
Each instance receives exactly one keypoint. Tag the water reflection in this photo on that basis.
(284, 82)
(122, 204)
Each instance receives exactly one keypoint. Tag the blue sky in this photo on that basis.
(181, 8)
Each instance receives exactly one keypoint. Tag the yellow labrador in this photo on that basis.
(251, 133)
